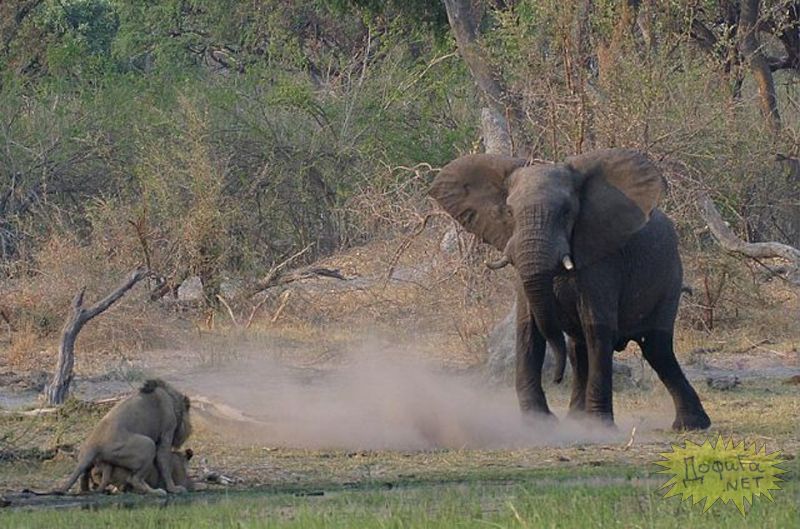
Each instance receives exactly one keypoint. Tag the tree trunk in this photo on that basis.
(57, 390)
(494, 129)
(22, 12)
(497, 131)
(759, 65)
(645, 13)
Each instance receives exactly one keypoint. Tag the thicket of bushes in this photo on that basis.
(217, 137)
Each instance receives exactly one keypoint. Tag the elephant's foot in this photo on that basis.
(534, 406)
(600, 420)
(577, 413)
(538, 418)
(691, 421)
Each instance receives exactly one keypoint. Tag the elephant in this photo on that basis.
(595, 260)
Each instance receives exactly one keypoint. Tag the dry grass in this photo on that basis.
(38, 300)
(446, 302)
(734, 310)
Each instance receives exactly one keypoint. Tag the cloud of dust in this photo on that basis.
(378, 400)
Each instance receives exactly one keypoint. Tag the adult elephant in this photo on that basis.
(594, 259)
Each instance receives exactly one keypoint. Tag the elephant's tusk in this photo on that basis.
(567, 262)
(497, 265)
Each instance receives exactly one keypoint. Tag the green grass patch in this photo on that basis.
(620, 497)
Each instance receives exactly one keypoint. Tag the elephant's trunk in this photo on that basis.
(537, 280)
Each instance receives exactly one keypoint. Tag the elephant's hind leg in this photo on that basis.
(658, 351)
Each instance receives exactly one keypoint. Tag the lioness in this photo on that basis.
(104, 474)
(144, 427)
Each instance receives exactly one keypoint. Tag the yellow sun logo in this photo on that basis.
(721, 471)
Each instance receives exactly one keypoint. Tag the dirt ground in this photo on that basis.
(379, 379)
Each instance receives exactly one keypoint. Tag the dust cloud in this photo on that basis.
(378, 399)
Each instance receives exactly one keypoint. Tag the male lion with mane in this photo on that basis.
(144, 427)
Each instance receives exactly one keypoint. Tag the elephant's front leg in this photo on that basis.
(580, 371)
(530, 352)
(599, 343)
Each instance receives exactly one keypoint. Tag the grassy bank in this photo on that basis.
(623, 497)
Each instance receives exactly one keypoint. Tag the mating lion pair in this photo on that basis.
(135, 446)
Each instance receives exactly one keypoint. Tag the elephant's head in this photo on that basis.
(546, 218)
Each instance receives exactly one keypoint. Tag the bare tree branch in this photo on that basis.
(297, 275)
(274, 273)
(57, 390)
(134, 277)
(284, 301)
(230, 310)
(756, 250)
(255, 309)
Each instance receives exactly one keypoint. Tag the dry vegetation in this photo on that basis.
(426, 282)
(320, 143)
(304, 134)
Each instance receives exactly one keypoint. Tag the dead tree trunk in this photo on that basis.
(755, 250)
(494, 129)
(759, 65)
(498, 133)
(57, 390)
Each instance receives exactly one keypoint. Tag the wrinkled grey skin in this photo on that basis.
(594, 259)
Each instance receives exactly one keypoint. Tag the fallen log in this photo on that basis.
(755, 250)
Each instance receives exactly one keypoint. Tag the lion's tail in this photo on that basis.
(85, 463)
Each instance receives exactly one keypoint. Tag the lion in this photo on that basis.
(144, 427)
(104, 475)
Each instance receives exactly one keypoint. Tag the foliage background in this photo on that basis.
(229, 135)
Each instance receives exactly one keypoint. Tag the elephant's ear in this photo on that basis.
(473, 190)
(619, 188)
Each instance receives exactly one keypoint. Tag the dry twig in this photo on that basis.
(230, 310)
(407, 242)
(255, 309)
(632, 439)
(284, 301)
